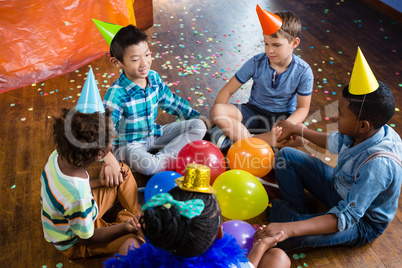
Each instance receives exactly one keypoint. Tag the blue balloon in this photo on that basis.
(159, 183)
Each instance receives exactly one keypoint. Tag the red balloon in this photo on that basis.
(204, 153)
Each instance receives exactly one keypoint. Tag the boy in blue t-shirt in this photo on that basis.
(282, 88)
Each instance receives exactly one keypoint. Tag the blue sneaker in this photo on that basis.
(220, 140)
(224, 143)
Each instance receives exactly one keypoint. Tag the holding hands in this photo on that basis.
(263, 253)
(268, 242)
(286, 130)
(276, 232)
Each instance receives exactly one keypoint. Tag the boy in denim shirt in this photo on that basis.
(282, 87)
(362, 190)
(135, 98)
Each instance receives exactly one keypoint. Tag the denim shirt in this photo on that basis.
(375, 192)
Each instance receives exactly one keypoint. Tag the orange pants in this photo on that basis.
(105, 198)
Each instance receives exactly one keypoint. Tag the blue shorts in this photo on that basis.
(257, 120)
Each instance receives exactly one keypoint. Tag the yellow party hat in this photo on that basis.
(362, 80)
(270, 22)
(108, 30)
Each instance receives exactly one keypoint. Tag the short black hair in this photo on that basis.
(181, 236)
(378, 107)
(79, 136)
(125, 37)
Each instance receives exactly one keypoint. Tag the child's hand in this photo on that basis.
(269, 241)
(113, 174)
(124, 172)
(286, 130)
(133, 224)
(271, 230)
(280, 140)
(277, 131)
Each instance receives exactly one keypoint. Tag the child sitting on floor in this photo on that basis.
(73, 203)
(135, 97)
(282, 87)
(183, 229)
(363, 189)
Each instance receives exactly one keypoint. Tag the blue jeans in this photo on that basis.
(296, 171)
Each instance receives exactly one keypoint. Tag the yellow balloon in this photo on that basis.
(240, 195)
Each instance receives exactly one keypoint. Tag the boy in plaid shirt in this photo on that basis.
(135, 98)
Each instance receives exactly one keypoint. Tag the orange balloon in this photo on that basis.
(252, 155)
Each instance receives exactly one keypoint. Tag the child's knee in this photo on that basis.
(282, 157)
(217, 111)
(198, 124)
(214, 111)
(148, 170)
(287, 152)
(275, 257)
(281, 154)
(129, 244)
(197, 129)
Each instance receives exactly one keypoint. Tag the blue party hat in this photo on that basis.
(90, 100)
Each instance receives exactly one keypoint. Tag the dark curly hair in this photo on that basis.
(378, 106)
(79, 136)
(125, 37)
(168, 230)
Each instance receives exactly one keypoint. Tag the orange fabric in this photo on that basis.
(131, 13)
(42, 39)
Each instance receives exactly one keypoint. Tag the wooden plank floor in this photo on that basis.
(207, 40)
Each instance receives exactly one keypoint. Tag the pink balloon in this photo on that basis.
(204, 153)
(242, 231)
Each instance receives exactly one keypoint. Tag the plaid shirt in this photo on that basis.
(135, 109)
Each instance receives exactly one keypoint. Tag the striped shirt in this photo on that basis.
(68, 207)
(135, 109)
